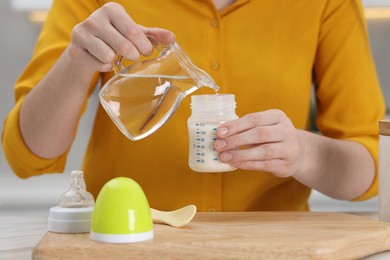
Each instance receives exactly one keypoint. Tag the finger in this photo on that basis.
(91, 50)
(130, 30)
(257, 135)
(265, 118)
(164, 36)
(263, 152)
(91, 61)
(97, 64)
(277, 167)
(100, 50)
(118, 43)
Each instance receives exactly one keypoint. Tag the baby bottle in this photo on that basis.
(208, 112)
(74, 212)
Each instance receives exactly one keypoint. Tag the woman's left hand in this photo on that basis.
(264, 141)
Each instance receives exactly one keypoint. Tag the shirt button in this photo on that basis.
(214, 22)
(211, 210)
(214, 65)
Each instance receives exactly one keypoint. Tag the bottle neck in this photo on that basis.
(227, 110)
(213, 104)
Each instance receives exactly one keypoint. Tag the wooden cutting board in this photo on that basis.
(244, 235)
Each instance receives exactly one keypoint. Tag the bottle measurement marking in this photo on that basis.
(201, 142)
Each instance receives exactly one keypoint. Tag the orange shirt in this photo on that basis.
(267, 53)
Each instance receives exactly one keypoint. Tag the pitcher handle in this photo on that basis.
(117, 64)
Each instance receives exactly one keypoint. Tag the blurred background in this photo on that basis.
(20, 24)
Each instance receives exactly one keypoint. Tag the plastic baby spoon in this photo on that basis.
(176, 218)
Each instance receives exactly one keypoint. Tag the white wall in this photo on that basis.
(17, 39)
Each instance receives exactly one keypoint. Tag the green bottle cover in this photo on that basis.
(121, 213)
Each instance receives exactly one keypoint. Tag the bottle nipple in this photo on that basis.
(77, 196)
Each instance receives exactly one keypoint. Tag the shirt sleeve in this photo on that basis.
(54, 38)
(348, 95)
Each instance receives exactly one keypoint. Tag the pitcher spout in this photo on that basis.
(201, 77)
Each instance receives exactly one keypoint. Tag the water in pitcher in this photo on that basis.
(141, 103)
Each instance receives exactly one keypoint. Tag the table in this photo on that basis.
(21, 230)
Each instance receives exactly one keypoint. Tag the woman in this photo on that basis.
(268, 54)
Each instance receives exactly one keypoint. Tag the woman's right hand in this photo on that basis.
(110, 31)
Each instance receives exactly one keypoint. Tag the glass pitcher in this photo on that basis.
(140, 98)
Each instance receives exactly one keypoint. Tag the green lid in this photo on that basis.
(121, 208)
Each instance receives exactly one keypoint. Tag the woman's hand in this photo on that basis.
(264, 141)
(110, 31)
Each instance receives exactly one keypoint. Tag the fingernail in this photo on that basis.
(223, 131)
(225, 157)
(220, 144)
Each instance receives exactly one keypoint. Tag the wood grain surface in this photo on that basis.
(243, 235)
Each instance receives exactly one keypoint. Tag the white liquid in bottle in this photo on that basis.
(208, 111)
